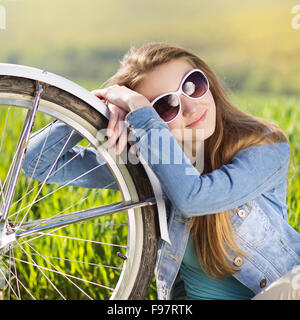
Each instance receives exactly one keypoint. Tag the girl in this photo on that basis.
(228, 224)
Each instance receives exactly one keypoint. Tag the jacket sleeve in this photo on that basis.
(252, 171)
(74, 164)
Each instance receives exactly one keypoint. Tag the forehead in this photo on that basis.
(163, 78)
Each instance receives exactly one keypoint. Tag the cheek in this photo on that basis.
(213, 113)
(211, 107)
(209, 100)
(177, 128)
(211, 122)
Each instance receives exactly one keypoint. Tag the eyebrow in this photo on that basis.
(172, 90)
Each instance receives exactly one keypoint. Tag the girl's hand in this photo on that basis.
(122, 97)
(116, 129)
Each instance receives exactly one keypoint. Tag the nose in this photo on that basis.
(189, 106)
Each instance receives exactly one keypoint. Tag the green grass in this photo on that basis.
(280, 109)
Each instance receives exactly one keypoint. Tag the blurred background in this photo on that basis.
(251, 45)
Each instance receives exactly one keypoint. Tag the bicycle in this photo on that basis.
(85, 228)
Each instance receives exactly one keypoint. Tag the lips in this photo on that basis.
(201, 118)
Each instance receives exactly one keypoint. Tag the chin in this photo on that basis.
(208, 133)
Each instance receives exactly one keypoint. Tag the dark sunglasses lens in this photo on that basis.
(195, 85)
(167, 107)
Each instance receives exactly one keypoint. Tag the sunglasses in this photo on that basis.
(194, 85)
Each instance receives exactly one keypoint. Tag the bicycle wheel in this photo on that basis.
(107, 257)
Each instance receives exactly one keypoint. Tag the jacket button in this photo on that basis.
(263, 283)
(241, 213)
(238, 261)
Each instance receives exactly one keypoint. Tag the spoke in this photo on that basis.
(40, 234)
(77, 261)
(36, 201)
(61, 273)
(7, 281)
(20, 243)
(2, 140)
(101, 210)
(105, 223)
(41, 152)
(41, 221)
(9, 275)
(17, 162)
(1, 191)
(40, 268)
(19, 281)
(3, 133)
(71, 276)
(62, 166)
(52, 167)
(16, 273)
(86, 240)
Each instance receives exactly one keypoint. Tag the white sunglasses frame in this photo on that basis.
(179, 91)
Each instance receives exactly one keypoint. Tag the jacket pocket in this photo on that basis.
(268, 247)
(277, 251)
(254, 228)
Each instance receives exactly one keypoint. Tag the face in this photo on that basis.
(167, 78)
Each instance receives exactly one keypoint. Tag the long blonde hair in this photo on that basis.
(213, 233)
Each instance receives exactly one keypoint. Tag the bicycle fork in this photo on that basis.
(7, 192)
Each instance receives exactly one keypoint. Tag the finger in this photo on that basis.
(115, 133)
(124, 134)
(100, 93)
(118, 119)
(115, 94)
(112, 139)
(113, 119)
(122, 141)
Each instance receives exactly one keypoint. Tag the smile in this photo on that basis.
(195, 123)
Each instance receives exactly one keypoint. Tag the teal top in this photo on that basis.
(199, 286)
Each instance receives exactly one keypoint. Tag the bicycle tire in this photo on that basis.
(70, 106)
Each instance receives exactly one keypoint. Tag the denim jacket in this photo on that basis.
(252, 188)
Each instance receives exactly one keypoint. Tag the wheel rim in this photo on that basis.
(132, 250)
